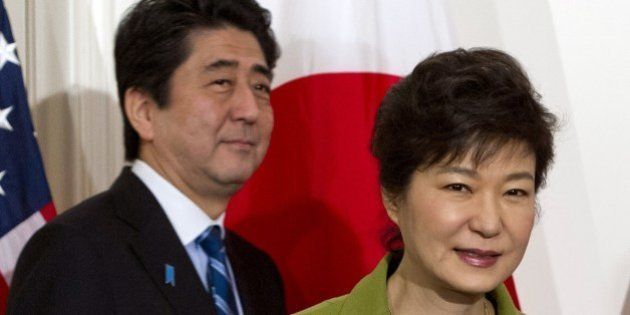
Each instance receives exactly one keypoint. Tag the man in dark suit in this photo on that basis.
(193, 81)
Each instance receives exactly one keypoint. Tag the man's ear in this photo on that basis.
(391, 205)
(139, 108)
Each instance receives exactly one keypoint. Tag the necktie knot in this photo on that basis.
(212, 243)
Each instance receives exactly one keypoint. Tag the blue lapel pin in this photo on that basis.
(169, 275)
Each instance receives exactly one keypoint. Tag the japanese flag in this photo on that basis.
(314, 205)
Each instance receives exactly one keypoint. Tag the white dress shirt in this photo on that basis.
(187, 219)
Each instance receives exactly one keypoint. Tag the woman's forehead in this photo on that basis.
(478, 153)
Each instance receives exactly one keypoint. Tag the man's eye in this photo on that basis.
(221, 82)
(517, 192)
(262, 87)
(458, 187)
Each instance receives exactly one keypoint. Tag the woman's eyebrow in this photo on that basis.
(459, 170)
(519, 176)
(474, 174)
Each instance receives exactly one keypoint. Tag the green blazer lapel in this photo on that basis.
(502, 301)
(369, 296)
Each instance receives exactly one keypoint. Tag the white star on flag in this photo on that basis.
(7, 52)
(4, 118)
(2, 193)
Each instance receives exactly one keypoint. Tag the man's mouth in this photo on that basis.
(240, 144)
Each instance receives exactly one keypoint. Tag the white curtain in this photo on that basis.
(66, 53)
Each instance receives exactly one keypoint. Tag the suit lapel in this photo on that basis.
(156, 244)
(242, 268)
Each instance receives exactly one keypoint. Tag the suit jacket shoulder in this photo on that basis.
(56, 260)
(107, 255)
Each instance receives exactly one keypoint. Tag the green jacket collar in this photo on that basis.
(369, 296)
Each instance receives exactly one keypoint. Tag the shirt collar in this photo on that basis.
(187, 219)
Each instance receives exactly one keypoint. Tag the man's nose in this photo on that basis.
(245, 106)
(486, 219)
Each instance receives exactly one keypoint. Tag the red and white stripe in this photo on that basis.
(12, 243)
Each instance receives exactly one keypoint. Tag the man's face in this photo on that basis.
(215, 130)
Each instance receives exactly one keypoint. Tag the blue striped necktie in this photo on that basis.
(217, 274)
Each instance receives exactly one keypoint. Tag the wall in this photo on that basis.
(577, 56)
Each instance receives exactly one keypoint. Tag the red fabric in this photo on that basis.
(4, 294)
(509, 283)
(314, 205)
(48, 212)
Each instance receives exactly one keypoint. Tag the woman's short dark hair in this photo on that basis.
(152, 41)
(456, 103)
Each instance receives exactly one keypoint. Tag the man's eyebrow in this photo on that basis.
(224, 63)
(262, 70)
(459, 170)
(221, 63)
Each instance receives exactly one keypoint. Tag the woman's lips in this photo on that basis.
(478, 257)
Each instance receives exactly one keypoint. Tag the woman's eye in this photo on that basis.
(458, 187)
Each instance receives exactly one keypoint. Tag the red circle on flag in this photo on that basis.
(314, 205)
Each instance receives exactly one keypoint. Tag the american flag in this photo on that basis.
(25, 201)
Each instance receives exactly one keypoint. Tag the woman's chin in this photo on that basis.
(475, 283)
(475, 288)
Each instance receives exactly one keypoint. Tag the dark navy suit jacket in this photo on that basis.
(107, 255)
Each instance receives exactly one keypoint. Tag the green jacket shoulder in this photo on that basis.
(369, 296)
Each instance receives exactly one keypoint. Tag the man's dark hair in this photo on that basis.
(152, 40)
(456, 103)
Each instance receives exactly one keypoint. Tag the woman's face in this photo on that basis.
(466, 228)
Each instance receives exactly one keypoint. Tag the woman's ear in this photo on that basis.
(139, 107)
(391, 205)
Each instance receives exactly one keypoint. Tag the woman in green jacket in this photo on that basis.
(464, 145)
